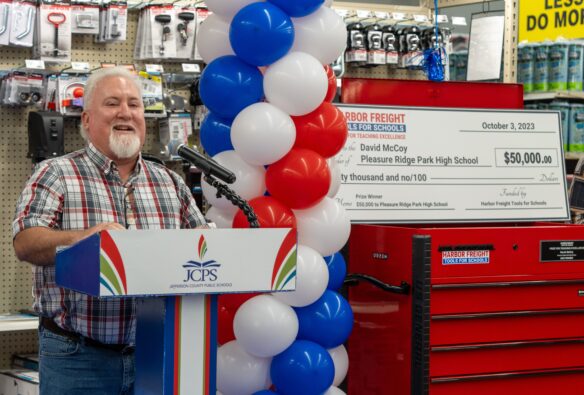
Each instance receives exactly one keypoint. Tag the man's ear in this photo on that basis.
(85, 120)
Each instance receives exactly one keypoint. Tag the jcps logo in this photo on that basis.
(201, 271)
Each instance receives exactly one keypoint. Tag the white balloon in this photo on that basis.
(228, 8)
(335, 169)
(328, 3)
(262, 134)
(311, 279)
(223, 218)
(322, 34)
(324, 227)
(296, 84)
(250, 180)
(264, 326)
(239, 373)
(341, 363)
(334, 391)
(213, 38)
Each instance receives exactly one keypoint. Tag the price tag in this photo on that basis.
(398, 16)
(342, 12)
(191, 68)
(80, 66)
(421, 18)
(442, 18)
(459, 20)
(363, 13)
(154, 69)
(475, 165)
(35, 64)
(381, 14)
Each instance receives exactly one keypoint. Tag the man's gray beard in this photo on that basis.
(123, 145)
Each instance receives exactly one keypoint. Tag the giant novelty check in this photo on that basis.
(451, 165)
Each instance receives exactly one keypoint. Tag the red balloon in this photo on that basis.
(324, 130)
(300, 179)
(227, 306)
(332, 84)
(270, 212)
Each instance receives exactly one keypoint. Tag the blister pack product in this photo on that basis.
(85, 17)
(22, 28)
(5, 21)
(117, 21)
(356, 44)
(375, 50)
(54, 31)
(152, 93)
(163, 28)
(70, 92)
(174, 131)
(186, 22)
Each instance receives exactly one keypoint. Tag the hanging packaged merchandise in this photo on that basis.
(461, 65)
(113, 20)
(70, 91)
(576, 67)
(163, 24)
(5, 19)
(22, 23)
(375, 50)
(23, 89)
(410, 45)
(185, 28)
(54, 39)
(85, 17)
(174, 131)
(50, 99)
(390, 44)
(201, 14)
(356, 46)
(152, 93)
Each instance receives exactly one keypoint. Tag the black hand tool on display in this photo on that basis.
(182, 28)
(56, 18)
(164, 20)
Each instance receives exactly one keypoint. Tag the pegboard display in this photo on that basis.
(15, 168)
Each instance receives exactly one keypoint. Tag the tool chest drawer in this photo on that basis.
(505, 357)
(509, 296)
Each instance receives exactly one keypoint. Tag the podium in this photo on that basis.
(175, 274)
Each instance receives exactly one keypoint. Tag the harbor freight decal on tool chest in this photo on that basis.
(563, 250)
(468, 257)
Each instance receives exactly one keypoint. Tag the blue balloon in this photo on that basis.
(216, 134)
(337, 270)
(265, 392)
(304, 368)
(328, 321)
(298, 8)
(261, 33)
(229, 85)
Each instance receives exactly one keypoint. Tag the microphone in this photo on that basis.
(207, 165)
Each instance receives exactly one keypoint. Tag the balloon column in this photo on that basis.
(268, 89)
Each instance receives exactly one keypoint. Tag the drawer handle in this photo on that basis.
(354, 279)
(580, 292)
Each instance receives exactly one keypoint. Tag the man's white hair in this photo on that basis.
(93, 82)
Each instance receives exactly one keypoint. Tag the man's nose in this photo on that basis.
(124, 110)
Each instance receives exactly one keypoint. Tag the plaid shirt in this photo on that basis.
(83, 189)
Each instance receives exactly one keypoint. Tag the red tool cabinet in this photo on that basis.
(508, 322)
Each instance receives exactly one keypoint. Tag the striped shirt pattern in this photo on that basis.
(83, 189)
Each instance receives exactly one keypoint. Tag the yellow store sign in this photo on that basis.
(541, 20)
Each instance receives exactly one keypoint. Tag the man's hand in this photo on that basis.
(38, 245)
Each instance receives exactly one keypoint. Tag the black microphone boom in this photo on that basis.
(206, 165)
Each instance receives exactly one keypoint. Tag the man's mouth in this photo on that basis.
(123, 128)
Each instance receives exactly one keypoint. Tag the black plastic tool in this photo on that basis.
(182, 28)
(164, 20)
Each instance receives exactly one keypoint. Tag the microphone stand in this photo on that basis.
(224, 190)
